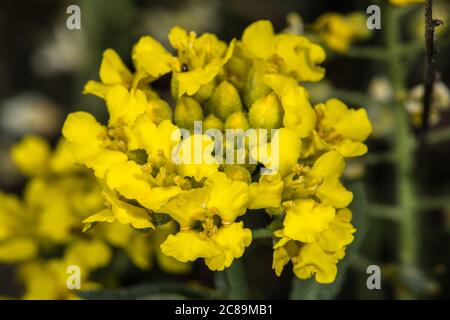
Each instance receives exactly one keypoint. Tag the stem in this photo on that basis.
(262, 233)
(430, 62)
(403, 145)
(237, 281)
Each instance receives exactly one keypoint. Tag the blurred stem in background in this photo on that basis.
(403, 147)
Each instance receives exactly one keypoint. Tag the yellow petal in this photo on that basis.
(329, 168)
(159, 196)
(258, 39)
(17, 250)
(228, 198)
(301, 57)
(188, 246)
(84, 140)
(307, 219)
(96, 88)
(187, 207)
(313, 260)
(191, 81)
(232, 241)
(266, 193)
(125, 105)
(350, 148)
(105, 215)
(113, 70)
(129, 214)
(195, 157)
(88, 254)
(31, 155)
(339, 234)
(129, 180)
(149, 55)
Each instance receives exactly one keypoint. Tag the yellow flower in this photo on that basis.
(90, 144)
(31, 155)
(405, 2)
(267, 193)
(124, 106)
(227, 198)
(17, 249)
(112, 72)
(318, 258)
(321, 180)
(121, 210)
(340, 232)
(157, 140)
(45, 280)
(152, 58)
(87, 254)
(166, 263)
(133, 181)
(306, 219)
(16, 243)
(338, 31)
(341, 128)
(290, 55)
(286, 144)
(219, 249)
(200, 59)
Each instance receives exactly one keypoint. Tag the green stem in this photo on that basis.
(403, 145)
(237, 281)
(262, 233)
(385, 212)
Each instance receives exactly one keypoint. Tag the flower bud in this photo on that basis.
(225, 100)
(212, 122)
(237, 120)
(237, 172)
(255, 87)
(159, 110)
(186, 112)
(205, 92)
(266, 112)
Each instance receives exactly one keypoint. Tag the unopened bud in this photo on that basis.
(212, 122)
(266, 112)
(225, 100)
(237, 120)
(159, 110)
(186, 112)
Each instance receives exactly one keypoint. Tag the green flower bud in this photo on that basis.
(266, 112)
(159, 110)
(186, 112)
(205, 92)
(212, 122)
(237, 120)
(237, 172)
(255, 87)
(225, 100)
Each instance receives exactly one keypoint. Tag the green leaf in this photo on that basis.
(147, 291)
(310, 289)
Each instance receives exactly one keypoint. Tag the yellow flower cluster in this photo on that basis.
(405, 2)
(251, 83)
(338, 31)
(58, 196)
